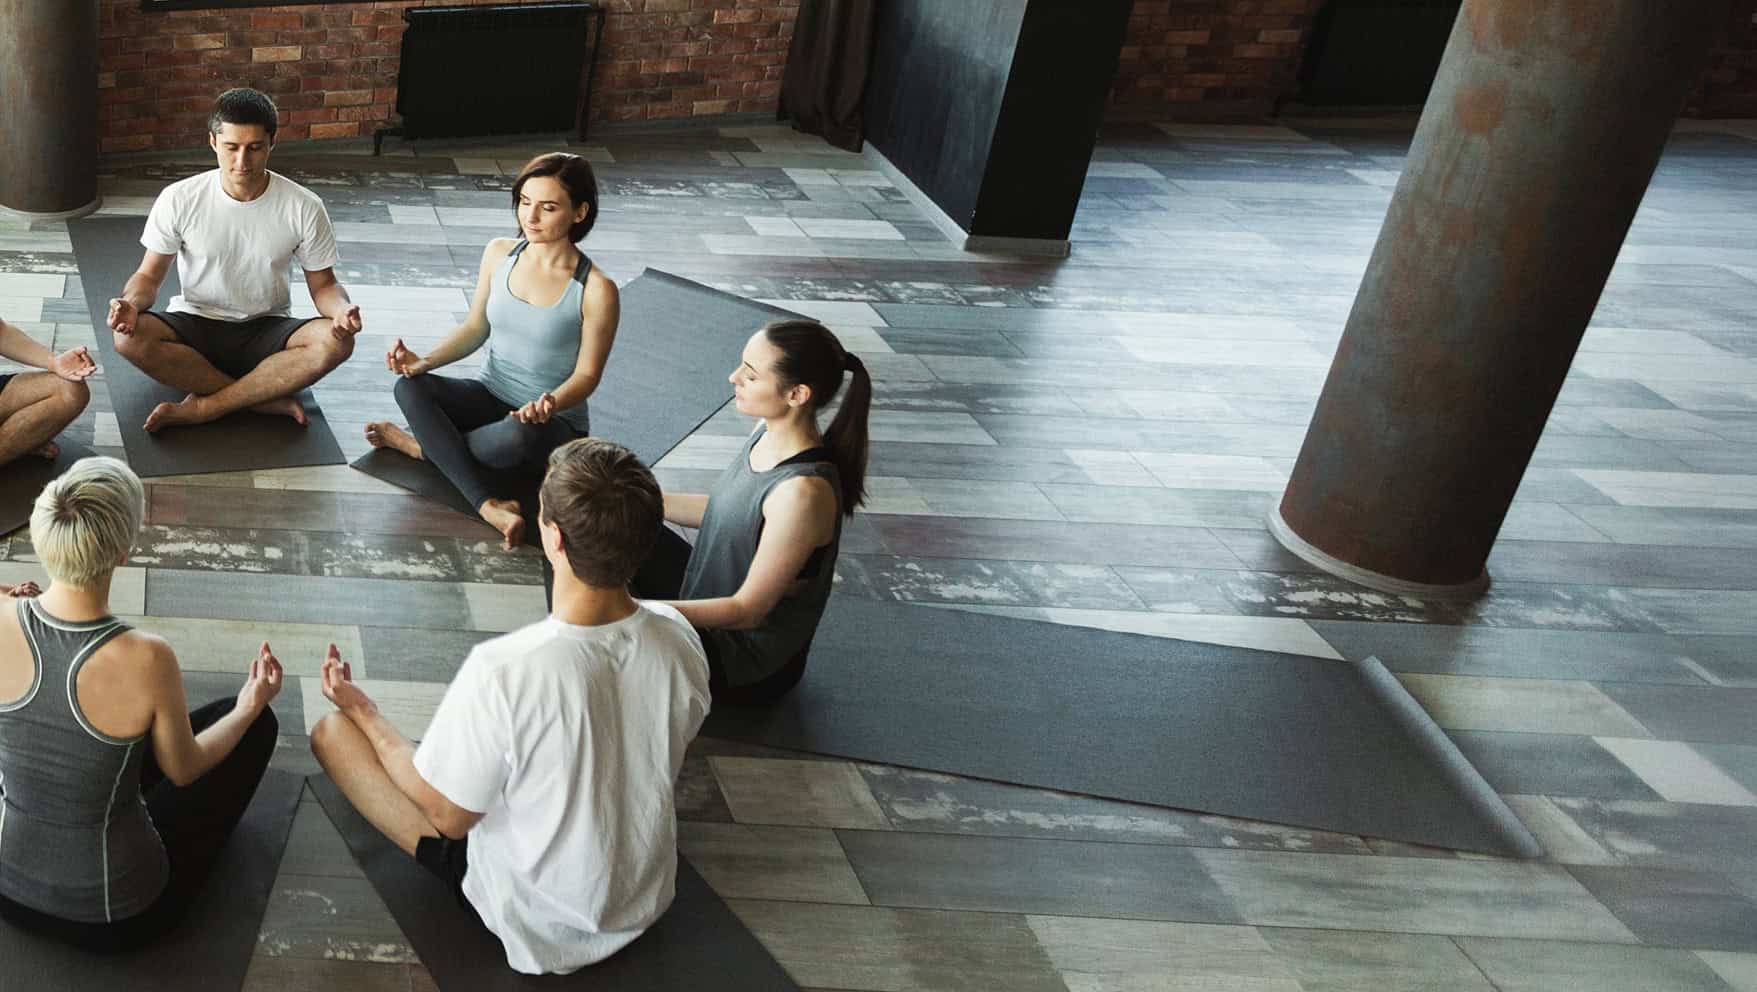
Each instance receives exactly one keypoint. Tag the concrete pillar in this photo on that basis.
(1533, 152)
(49, 106)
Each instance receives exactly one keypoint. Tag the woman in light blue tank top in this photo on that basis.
(548, 318)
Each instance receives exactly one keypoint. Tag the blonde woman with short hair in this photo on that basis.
(116, 799)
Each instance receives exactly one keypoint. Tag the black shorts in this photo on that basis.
(235, 347)
(446, 858)
(5, 377)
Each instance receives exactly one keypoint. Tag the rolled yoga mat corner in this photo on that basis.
(676, 344)
(108, 251)
(209, 950)
(23, 478)
(698, 943)
(1330, 745)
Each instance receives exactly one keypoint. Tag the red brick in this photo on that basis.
(277, 53)
(348, 129)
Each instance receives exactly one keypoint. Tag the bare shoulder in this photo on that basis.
(147, 655)
(807, 495)
(496, 251)
(600, 288)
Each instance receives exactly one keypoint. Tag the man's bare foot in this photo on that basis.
(504, 515)
(188, 410)
(49, 450)
(286, 406)
(384, 434)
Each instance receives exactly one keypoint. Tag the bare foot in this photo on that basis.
(286, 406)
(49, 450)
(188, 410)
(505, 516)
(384, 434)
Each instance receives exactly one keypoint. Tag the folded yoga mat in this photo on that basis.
(108, 251)
(677, 343)
(210, 950)
(698, 943)
(1289, 739)
(22, 479)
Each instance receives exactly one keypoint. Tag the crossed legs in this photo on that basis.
(347, 756)
(311, 353)
(34, 407)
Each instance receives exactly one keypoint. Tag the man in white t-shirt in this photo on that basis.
(543, 789)
(229, 339)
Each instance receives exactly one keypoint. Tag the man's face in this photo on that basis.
(242, 150)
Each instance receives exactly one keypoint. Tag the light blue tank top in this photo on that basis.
(531, 349)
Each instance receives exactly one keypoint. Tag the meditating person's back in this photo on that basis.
(76, 841)
(575, 855)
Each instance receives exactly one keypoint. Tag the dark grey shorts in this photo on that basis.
(234, 347)
(4, 379)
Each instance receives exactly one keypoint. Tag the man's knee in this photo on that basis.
(335, 350)
(328, 733)
(130, 346)
(72, 397)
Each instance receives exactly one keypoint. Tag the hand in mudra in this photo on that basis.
(403, 362)
(538, 411)
(74, 364)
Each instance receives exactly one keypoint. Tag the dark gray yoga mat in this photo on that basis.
(697, 944)
(108, 251)
(23, 478)
(209, 950)
(1330, 745)
(677, 343)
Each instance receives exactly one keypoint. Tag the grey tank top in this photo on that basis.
(724, 550)
(75, 838)
(532, 349)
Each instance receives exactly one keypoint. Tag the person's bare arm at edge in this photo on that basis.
(464, 338)
(331, 300)
(600, 311)
(395, 752)
(799, 516)
(139, 292)
(183, 755)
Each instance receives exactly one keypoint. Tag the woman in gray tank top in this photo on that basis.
(760, 573)
(548, 318)
(115, 800)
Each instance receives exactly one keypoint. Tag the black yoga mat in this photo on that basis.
(1330, 745)
(108, 251)
(677, 343)
(209, 950)
(698, 943)
(23, 478)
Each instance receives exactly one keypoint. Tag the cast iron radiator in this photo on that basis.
(496, 69)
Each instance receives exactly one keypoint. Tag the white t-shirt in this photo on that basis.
(569, 739)
(234, 256)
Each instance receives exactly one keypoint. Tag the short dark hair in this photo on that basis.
(244, 105)
(608, 507)
(575, 175)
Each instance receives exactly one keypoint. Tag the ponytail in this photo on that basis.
(811, 355)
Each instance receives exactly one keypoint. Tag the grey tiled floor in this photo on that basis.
(1093, 441)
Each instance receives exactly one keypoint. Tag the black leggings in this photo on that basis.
(193, 821)
(661, 577)
(465, 432)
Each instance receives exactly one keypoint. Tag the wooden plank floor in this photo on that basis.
(1092, 441)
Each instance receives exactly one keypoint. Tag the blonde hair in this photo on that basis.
(85, 522)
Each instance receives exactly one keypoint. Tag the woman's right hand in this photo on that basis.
(403, 362)
(263, 683)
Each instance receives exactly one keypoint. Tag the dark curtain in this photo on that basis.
(826, 70)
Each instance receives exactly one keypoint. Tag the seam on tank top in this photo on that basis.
(36, 680)
(79, 661)
(104, 835)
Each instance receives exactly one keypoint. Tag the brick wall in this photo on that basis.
(1205, 58)
(1208, 57)
(332, 67)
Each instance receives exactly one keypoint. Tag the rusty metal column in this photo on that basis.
(49, 107)
(1537, 142)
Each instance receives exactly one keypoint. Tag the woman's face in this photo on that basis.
(546, 213)
(756, 390)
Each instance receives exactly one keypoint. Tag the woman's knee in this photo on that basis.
(413, 389)
(507, 444)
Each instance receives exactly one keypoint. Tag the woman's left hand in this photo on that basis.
(538, 411)
(24, 590)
